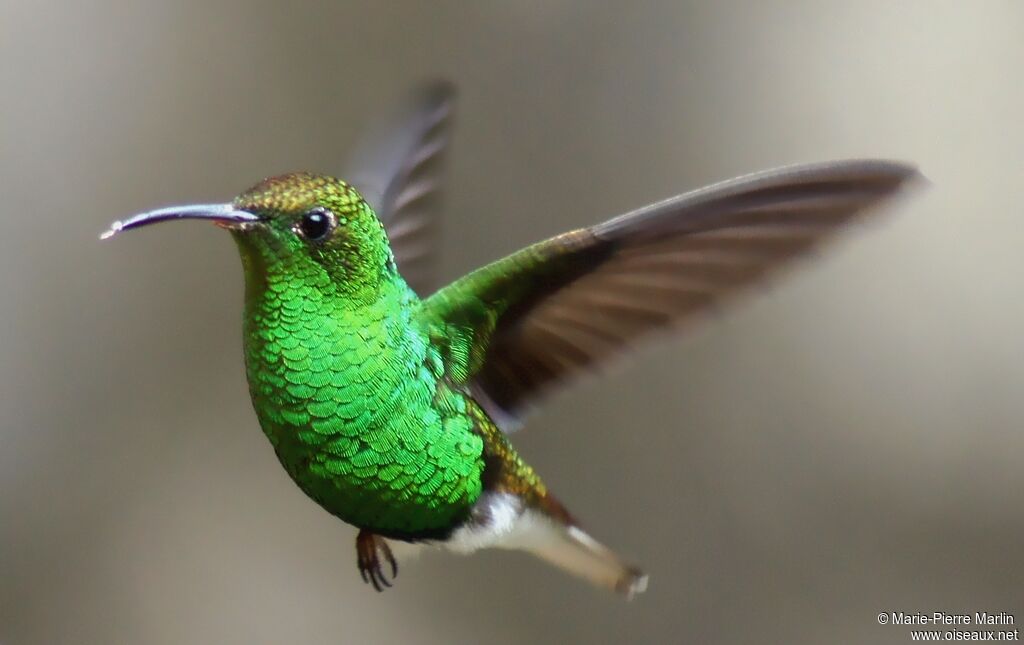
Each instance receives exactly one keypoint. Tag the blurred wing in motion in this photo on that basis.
(562, 307)
(397, 168)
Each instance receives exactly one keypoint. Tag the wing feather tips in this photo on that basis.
(875, 179)
(398, 167)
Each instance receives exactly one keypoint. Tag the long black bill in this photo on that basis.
(224, 213)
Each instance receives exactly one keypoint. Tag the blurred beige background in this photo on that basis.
(844, 443)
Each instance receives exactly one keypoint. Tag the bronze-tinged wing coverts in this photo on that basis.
(558, 308)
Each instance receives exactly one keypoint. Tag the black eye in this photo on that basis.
(316, 224)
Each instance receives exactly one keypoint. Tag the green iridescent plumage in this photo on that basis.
(345, 383)
(388, 406)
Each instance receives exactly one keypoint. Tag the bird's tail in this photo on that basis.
(570, 548)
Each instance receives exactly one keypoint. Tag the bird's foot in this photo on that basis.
(369, 549)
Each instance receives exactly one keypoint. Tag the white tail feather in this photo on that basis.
(573, 550)
(511, 526)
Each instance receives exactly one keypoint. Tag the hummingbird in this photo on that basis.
(390, 402)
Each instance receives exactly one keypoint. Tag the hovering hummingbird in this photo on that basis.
(388, 404)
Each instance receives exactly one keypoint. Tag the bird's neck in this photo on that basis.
(283, 309)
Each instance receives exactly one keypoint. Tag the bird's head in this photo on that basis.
(296, 227)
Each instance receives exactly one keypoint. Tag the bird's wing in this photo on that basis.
(516, 328)
(397, 168)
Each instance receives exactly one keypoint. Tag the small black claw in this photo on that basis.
(386, 550)
(376, 580)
